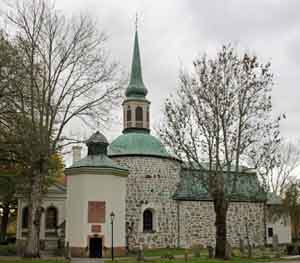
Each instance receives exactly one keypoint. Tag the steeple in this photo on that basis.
(136, 87)
(135, 106)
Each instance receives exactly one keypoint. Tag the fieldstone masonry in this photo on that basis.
(197, 220)
(151, 184)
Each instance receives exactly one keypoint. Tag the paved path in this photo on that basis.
(87, 260)
(297, 257)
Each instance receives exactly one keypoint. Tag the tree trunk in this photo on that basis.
(221, 207)
(32, 249)
(4, 221)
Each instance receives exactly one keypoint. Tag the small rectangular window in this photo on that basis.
(270, 231)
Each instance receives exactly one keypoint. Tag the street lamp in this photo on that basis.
(112, 217)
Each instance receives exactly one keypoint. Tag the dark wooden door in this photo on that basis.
(95, 247)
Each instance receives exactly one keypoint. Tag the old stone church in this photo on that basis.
(136, 192)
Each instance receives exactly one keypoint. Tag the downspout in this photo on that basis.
(178, 224)
(265, 223)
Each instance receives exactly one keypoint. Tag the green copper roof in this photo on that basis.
(137, 143)
(97, 144)
(274, 199)
(97, 161)
(97, 138)
(191, 188)
(136, 87)
(97, 155)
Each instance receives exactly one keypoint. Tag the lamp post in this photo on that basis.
(112, 217)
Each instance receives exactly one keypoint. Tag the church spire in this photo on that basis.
(136, 87)
(135, 106)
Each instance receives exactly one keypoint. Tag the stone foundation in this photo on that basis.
(20, 245)
(82, 252)
(78, 252)
(118, 252)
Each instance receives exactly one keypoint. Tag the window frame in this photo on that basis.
(52, 226)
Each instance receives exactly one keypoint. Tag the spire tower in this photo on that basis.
(136, 87)
(135, 105)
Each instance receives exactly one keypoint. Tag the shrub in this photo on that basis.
(291, 249)
(8, 250)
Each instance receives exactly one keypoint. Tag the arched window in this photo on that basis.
(51, 217)
(25, 215)
(139, 114)
(128, 114)
(148, 221)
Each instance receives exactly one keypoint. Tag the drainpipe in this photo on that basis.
(265, 224)
(178, 225)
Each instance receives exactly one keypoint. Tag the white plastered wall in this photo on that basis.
(95, 187)
(282, 228)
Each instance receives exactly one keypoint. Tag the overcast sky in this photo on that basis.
(173, 32)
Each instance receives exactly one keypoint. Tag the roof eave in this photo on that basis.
(96, 170)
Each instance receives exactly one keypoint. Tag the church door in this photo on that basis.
(95, 247)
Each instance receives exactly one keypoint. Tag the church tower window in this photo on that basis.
(148, 221)
(128, 114)
(139, 117)
(148, 115)
(139, 114)
(51, 218)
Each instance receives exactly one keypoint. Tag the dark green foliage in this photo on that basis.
(8, 250)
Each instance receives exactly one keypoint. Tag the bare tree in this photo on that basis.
(277, 163)
(288, 162)
(221, 115)
(291, 202)
(67, 75)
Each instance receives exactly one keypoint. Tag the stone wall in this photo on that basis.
(197, 220)
(151, 184)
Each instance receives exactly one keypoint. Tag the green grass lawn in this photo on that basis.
(267, 255)
(202, 259)
(163, 251)
(267, 252)
(159, 256)
(23, 260)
